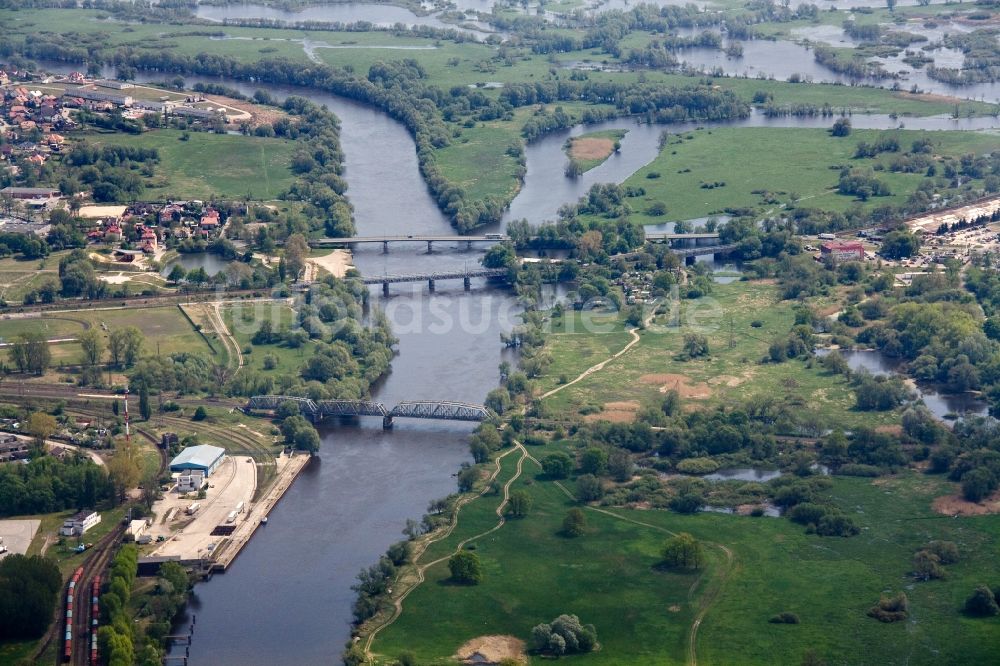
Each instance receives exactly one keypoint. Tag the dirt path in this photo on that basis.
(600, 366)
(706, 603)
(710, 596)
(219, 324)
(420, 569)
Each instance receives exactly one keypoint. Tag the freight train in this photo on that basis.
(71, 592)
(95, 614)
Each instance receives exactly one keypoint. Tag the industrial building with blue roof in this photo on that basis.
(204, 458)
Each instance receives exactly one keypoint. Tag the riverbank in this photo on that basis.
(289, 468)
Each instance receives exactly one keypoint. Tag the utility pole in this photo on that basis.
(128, 438)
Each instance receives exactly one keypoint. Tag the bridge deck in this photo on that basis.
(399, 239)
(440, 275)
(655, 236)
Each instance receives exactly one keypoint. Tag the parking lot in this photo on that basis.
(17, 535)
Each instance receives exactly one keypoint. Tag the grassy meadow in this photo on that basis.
(727, 375)
(801, 162)
(533, 574)
(643, 615)
(244, 320)
(164, 328)
(206, 165)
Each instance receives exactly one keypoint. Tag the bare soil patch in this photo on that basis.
(591, 148)
(680, 383)
(492, 650)
(930, 97)
(956, 505)
(890, 429)
(259, 115)
(727, 380)
(616, 412)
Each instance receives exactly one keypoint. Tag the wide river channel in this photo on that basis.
(287, 598)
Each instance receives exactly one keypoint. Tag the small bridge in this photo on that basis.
(430, 278)
(348, 241)
(318, 410)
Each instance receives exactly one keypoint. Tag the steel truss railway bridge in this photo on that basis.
(318, 410)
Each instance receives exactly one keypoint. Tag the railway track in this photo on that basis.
(26, 390)
(96, 564)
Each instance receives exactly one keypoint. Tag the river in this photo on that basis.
(287, 599)
(546, 186)
(780, 59)
(381, 15)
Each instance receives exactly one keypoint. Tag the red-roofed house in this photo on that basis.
(113, 233)
(148, 238)
(210, 220)
(851, 251)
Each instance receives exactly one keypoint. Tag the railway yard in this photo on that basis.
(250, 480)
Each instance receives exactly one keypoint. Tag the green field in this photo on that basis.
(727, 375)
(213, 165)
(244, 320)
(165, 329)
(781, 161)
(533, 573)
(643, 615)
(479, 163)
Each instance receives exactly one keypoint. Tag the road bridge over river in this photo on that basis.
(348, 241)
(318, 410)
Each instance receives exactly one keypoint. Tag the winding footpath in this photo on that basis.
(600, 366)
(417, 573)
(713, 592)
(422, 545)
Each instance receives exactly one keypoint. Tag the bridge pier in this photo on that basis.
(385, 289)
(387, 422)
(430, 285)
(468, 245)
(385, 247)
(468, 283)
(430, 247)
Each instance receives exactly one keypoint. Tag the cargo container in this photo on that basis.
(192, 509)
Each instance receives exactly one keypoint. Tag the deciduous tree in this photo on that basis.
(683, 551)
(465, 568)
